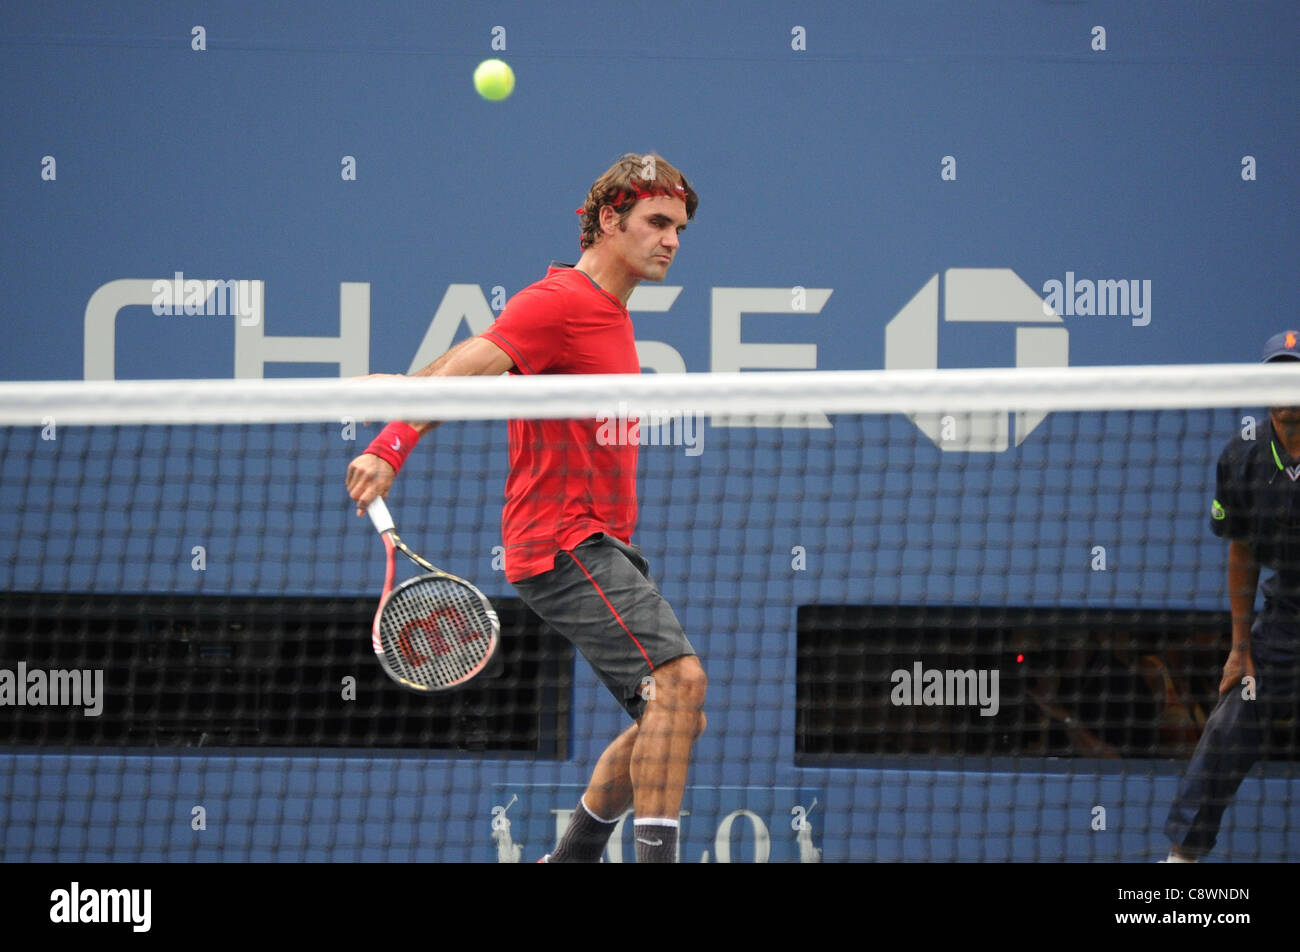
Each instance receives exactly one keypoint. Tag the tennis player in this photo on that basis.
(1257, 509)
(571, 503)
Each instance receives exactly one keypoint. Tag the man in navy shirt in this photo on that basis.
(1257, 509)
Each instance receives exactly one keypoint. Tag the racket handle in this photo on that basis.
(378, 512)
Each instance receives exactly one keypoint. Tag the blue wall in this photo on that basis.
(819, 168)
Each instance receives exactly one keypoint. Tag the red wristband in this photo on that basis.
(394, 443)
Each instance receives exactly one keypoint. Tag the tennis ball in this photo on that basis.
(494, 79)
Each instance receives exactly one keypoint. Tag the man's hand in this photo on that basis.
(1239, 665)
(368, 477)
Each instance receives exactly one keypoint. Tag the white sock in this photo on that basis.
(598, 819)
(656, 840)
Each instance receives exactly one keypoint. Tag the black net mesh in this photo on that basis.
(916, 649)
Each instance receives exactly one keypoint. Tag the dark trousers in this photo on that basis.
(1234, 739)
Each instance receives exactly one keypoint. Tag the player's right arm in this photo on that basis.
(476, 357)
(371, 474)
(1243, 577)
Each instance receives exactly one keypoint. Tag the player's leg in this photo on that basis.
(1233, 739)
(668, 684)
(660, 760)
(649, 760)
(601, 598)
(609, 793)
(1228, 748)
(603, 803)
(565, 599)
(673, 718)
(649, 665)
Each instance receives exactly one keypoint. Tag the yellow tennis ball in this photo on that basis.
(494, 79)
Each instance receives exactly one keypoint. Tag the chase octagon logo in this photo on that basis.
(976, 296)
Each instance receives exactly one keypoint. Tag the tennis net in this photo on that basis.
(945, 615)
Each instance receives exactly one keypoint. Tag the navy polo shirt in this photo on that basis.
(1257, 501)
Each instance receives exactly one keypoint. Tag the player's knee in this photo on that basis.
(691, 682)
(701, 722)
(680, 685)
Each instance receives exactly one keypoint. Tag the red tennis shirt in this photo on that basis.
(568, 479)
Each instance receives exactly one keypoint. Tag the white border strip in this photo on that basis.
(379, 399)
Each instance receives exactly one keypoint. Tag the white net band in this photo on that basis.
(739, 394)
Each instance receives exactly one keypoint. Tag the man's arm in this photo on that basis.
(368, 475)
(1243, 578)
(476, 357)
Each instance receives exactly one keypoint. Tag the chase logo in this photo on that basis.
(979, 296)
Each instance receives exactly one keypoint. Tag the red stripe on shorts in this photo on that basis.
(613, 610)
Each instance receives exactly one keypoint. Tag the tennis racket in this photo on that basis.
(432, 632)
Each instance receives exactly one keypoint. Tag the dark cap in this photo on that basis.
(1283, 346)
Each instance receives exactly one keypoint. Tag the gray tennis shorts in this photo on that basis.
(600, 596)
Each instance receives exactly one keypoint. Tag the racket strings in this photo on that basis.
(436, 632)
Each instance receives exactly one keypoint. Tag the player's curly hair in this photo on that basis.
(626, 182)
